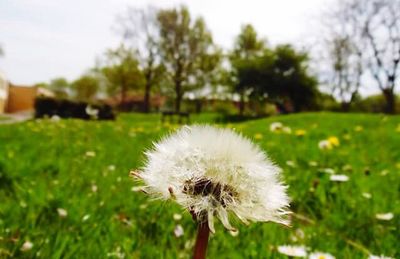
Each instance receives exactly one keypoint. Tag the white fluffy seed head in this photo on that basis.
(214, 172)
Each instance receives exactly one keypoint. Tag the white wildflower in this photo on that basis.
(276, 127)
(339, 178)
(55, 118)
(117, 253)
(379, 257)
(86, 217)
(287, 130)
(366, 195)
(94, 188)
(26, 246)
(111, 168)
(90, 153)
(328, 170)
(213, 171)
(319, 255)
(290, 163)
(92, 112)
(177, 216)
(324, 145)
(62, 212)
(313, 163)
(384, 216)
(178, 231)
(295, 251)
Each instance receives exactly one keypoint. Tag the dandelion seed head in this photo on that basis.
(324, 145)
(213, 172)
(276, 127)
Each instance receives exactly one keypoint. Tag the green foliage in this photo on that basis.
(373, 103)
(247, 46)
(140, 27)
(83, 167)
(187, 51)
(281, 74)
(326, 102)
(223, 107)
(122, 71)
(60, 86)
(86, 87)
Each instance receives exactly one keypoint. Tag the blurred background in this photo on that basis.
(87, 86)
(249, 59)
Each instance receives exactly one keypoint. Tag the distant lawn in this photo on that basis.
(82, 167)
(3, 117)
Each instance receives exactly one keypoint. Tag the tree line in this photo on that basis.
(170, 52)
(363, 45)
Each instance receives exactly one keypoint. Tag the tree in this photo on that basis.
(187, 51)
(140, 28)
(122, 72)
(377, 24)
(381, 30)
(345, 59)
(60, 86)
(86, 87)
(280, 74)
(247, 45)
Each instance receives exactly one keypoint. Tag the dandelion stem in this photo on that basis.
(203, 233)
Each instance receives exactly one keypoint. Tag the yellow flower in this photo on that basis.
(258, 136)
(334, 141)
(398, 128)
(300, 132)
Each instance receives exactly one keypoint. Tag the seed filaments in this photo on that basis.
(222, 193)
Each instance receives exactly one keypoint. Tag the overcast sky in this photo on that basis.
(44, 39)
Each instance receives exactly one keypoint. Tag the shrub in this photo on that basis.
(48, 107)
(373, 103)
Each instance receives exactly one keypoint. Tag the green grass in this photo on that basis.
(44, 165)
(2, 117)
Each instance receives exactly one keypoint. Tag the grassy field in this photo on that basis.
(64, 187)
